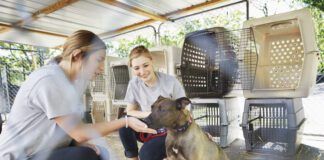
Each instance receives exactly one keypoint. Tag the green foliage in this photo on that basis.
(318, 16)
(21, 59)
(124, 46)
(319, 4)
(231, 20)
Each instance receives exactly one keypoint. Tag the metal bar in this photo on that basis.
(44, 11)
(135, 10)
(208, 10)
(149, 21)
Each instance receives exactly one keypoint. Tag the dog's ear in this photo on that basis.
(182, 102)
(159, 99)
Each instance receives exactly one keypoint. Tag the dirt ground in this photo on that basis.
(236, 151)
(312, 147)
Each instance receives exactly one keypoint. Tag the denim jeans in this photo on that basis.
(68, 153)
(153, 149)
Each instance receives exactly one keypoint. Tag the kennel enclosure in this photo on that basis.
(100, 102)
(286, 71)
(214, 63)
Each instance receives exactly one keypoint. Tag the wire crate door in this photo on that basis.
(4, 94)
(215, 61)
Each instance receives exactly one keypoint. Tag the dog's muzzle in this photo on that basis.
(148, 121)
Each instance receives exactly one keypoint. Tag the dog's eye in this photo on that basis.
(162, 110)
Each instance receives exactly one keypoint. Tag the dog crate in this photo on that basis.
(215, 61)
(273, 125)
(100, 91)
(287, 51)
(121, 76)
(166, 58)
(219, 117)
(286, 71)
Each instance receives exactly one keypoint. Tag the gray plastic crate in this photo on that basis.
(272, 125)
(218, 117)
(121, 77)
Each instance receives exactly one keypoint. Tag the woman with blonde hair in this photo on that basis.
(47, 111)
(143, 90)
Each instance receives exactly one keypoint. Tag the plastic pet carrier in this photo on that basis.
(272, 125)
(286, 71)
(287, 50)
(213, 64)
(219, 117)
(215, 61)
(100, 91)
(121, 76)
(166, 58)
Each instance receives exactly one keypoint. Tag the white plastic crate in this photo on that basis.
(102, 108)
(166, 58)
(287, 60)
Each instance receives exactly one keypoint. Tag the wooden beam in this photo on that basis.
(44, 11)
(127, 28)
(4, 29)
(9, 26)
(134, 10)
(196, 7)
(149, 21)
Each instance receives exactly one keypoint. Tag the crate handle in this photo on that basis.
(281, 25)
(312, 52)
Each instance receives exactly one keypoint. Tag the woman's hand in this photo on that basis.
(139, 126)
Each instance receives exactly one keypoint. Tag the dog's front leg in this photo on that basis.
(170, 153)
(174, 153)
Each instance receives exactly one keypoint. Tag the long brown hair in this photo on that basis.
(84, 40)
(137, 52)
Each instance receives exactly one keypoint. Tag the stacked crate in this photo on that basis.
(100, 91)
(121, 76)
(286, 71)
(214, 62)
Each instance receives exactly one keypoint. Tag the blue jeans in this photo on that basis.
(153, 149)
(68, 153)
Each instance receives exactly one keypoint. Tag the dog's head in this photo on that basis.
(166, 112)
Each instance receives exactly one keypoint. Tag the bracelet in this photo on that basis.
(126, 118)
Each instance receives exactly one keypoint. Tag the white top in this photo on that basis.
(46, 94)
(139, 93)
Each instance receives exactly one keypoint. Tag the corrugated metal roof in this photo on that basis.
(103, 17)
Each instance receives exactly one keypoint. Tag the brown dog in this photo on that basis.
(185, 139)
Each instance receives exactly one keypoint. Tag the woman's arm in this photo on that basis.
(82, 132)
(132, 110)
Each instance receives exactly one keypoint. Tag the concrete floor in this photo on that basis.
(312, 147)
(236, 151)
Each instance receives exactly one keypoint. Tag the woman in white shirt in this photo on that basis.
(143, 90)
(47, 111)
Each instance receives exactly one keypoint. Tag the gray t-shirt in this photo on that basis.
(140, 94)
(46, 94)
